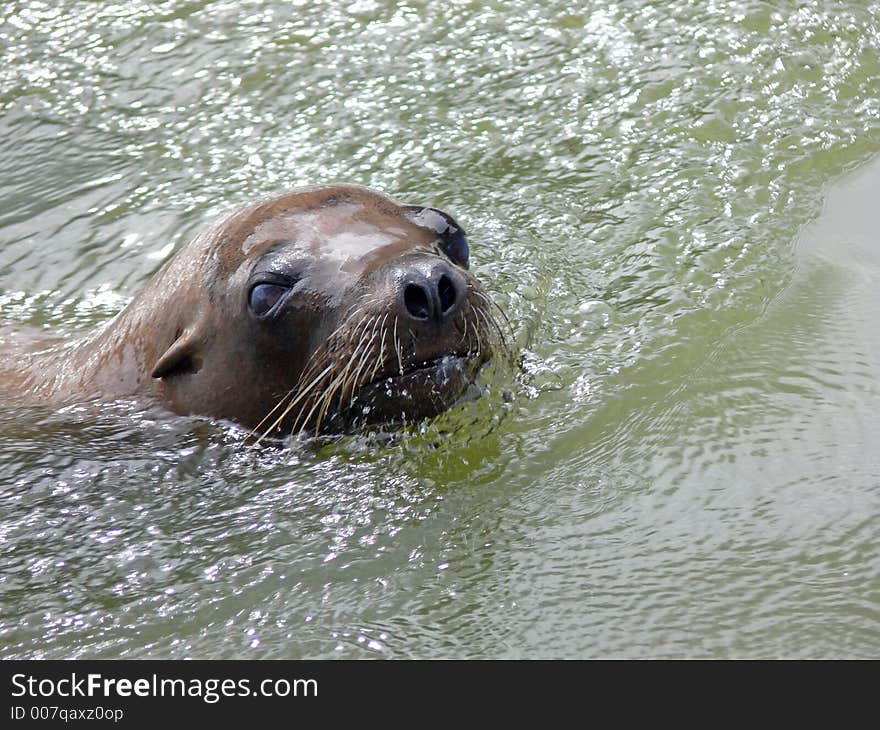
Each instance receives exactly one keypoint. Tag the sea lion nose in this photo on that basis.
(431, 291)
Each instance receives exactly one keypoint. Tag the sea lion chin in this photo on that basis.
(314, 310)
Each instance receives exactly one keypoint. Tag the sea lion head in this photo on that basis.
(325, 307)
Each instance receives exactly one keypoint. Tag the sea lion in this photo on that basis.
(314, 309)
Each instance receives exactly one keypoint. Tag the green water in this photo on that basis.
(675, 203)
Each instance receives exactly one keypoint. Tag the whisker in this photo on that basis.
(291, 405)
(380, 358)
(323, 356)
(341, 378)
(288, 394)
(491, 322)
(464, 337)
(341, 381)
(492, 303)
(363, 359)
(397, 347)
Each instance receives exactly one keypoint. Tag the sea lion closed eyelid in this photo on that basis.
(264, 297)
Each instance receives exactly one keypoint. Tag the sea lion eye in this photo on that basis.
(263, 297)
(453, 241)
(455, 246)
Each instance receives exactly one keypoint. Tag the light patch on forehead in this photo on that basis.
(353, 244)
(329, 233)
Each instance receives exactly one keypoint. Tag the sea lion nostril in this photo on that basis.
(431, 295)
(447, 293)
(417, 301)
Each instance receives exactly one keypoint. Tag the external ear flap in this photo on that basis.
(178, 359)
